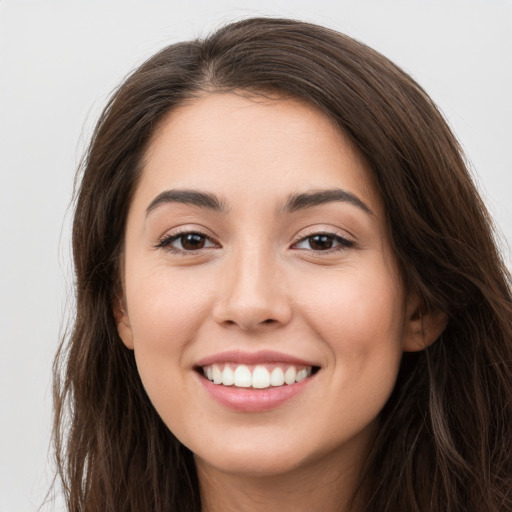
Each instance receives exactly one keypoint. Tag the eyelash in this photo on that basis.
(343, 243)
(167, 241)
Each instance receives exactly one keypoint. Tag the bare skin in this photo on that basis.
(319, 486)
(256, 238)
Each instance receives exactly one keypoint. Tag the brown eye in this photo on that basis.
(192, 241)
(323, 242)
(186, 242)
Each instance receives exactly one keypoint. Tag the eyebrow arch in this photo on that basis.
(309, 199)
(192, 197)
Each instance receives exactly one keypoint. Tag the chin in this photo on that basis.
(252, 462)
(253, 455)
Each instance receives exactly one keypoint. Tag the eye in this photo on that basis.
(186, 242)
(323, 242)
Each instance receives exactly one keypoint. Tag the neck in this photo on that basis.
(318, 486)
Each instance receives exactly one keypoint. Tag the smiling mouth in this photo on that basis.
(256, 376)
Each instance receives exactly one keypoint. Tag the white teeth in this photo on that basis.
(277, 377)
(228, 376)
(217, 375)
(243, 377)
(260, 377)
(301, 375)
(290, 375)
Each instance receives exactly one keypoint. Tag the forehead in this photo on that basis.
(223, 142)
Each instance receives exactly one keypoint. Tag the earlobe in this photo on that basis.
(424, 326)
(124, 328)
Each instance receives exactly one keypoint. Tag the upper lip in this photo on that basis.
(260, 357)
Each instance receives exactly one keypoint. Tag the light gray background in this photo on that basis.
(58, 62)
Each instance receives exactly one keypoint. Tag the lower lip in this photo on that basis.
(250, 399)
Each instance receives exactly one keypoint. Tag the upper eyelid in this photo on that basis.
(344, 242)
(323, 233)
(186, 229)
(309, 232)
(175, 236)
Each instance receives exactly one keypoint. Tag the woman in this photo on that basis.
(288, 292)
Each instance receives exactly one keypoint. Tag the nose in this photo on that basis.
(252, 294)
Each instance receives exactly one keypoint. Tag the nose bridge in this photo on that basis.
(252, 294)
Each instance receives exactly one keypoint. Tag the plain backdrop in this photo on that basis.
(59, 60)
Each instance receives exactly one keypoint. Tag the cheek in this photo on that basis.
(165, 314)
(164, 305)
(359, 316)
(367, 304)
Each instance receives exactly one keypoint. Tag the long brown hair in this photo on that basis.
(445, 440)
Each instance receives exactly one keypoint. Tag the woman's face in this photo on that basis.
(261, 296)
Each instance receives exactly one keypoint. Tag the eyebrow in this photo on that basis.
(192, 197)
(315, 198)
(294, 202)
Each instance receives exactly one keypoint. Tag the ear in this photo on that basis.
(423, 326)
(124, 327)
